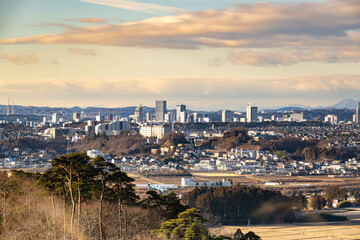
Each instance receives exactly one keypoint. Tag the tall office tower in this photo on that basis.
(99, 118)
(149, 117)
(160, 110)
(226, 116)
(181, 115)
(251, 113)
(56, 117)
(198, 117)
(139, 113)
(8, 108)
(169, 117)
(109, 117)
(76, 116)
(357, 114)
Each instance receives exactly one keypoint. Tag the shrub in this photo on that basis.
(344, 204)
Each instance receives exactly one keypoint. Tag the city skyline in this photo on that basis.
(218, 55)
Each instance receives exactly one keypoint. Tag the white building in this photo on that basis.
(56, 117)
(296, 117)
(251, 113)
(94, 153)
(169, 117)
(181, 115)
(190, 182)
(226, 116)
(113, 128)
(331, 119)
(157, 131)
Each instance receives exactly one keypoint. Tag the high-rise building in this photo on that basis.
(8, 108)
(139, 113)
(198, 117)
(76, 116)
(109, 117)
(56, 117)
(181, 114)
(226, 116)
(169, 117)
(251, 113)
(99, 118)
(149, 117)
(160, 110)
(357, 113)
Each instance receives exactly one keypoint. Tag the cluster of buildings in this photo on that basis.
(238, 161)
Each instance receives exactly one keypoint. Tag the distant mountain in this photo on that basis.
(346, 103)
(284, 109)
(288, 108)
(89, 111)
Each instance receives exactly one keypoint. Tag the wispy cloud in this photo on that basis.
(201, 92)
(292, 56)
(54, 24)
(83, 51)
(20, 58)
(92, 20)
(194, 87)
(134, 6)
(27, 58)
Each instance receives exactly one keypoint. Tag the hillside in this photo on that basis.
(119, 145)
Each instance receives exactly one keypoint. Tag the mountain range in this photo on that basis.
(126, 111)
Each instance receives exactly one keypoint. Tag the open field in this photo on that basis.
(215, 174)
(290, 183)
(326, 230)
(320, 231)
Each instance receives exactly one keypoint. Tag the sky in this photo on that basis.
(207, 54)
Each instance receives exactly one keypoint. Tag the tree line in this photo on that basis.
(241, 203)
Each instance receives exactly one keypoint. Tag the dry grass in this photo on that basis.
(298, 232)
(321, 231)
(215, 174)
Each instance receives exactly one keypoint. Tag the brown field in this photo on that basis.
(320, 231)
(289, 183)
(344, 231)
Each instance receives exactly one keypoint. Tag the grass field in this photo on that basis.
(329, 230)
(290, 183)
(344, 231)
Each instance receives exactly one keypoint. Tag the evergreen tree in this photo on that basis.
(317, 202)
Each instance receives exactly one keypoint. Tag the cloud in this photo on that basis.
(29, 58)
(92, 20)
(134, 6)
(216, 62)
(52, 24)
(198, 92)
(20, 58)
(192, 87)
(247, 25)
(308, 31)
(83, 51)
(293, 56)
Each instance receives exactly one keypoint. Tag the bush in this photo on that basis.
(344, 204)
